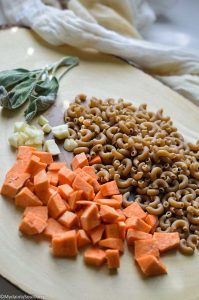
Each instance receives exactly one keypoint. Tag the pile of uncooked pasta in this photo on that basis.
(146, 155)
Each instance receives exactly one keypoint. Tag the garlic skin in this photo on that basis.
(70, 145)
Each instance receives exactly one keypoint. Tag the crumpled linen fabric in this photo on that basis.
(114, 27)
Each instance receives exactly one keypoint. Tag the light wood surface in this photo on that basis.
(28, 263)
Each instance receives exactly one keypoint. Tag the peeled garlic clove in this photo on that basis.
(20, 126)
(61, 132)
(24, 136)
(42, 120)
(70, 144)
(52, 147)
(46, 128)
(15, 140)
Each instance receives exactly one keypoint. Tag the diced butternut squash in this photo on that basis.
(25, 152)
(53, 228)
(18, 168)
(73, 198)
(84, 202)
(146, 247)
(35, 166)
(96, 233)
(79, 161)
(30, 185)
(95, 160)
(112, 231)
(81, 184)
(113, 258)
(109, 189)
(91, 171)
(45, 157)
(56, 166)
(90, 218)
(32, 225)
(82, 238)
(94, 256)
(112, 243)
(121, 217)
(65, 244)
(65, 190)
(152, 220)
(134, 210)
(151, 266)
(68, 219)
(34, 220)
(46, 195)
(98, 196)
(13, 183)
(122, 229)
(39, 211)
(95, 184)
(108, 214)
(53, 177)
(52, 187)
(137, 224)
(118, 198)
(26, 198)
(65, 175)
(83, 174)
(110, 202)
(41, 183)
(134, 235)
(56, 206)
(58, 200)
(167, 240)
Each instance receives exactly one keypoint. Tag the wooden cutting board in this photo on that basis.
(28, 263)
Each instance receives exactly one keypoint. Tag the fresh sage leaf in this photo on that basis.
(46, 96)
(21, 93)
(45, 87)
(65, 62)
(39, 87)
(4, 99)
(10, 78)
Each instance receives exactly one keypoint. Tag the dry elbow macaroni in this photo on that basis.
(146, 155)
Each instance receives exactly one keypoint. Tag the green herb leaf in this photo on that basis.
(21, 93)
(20, 85)
(4, 99)
(68, 61)
(10, 78)
(65, 62)
(45, 87)
(46, 96)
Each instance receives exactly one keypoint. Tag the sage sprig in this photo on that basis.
(38, 87)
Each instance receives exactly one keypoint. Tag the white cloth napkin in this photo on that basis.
(113, 27)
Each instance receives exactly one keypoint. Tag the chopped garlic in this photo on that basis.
(20, 126)
(25, 134)
(37, 140)
(61, 132)
(46, 128)
(52, 147)
(15, 140)
(42, 120)
(70, 144)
